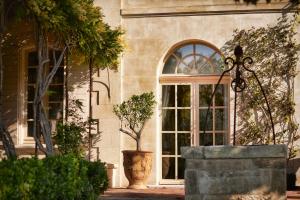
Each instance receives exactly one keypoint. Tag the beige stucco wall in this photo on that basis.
(109, 145)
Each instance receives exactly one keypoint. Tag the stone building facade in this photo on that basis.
(159, 35)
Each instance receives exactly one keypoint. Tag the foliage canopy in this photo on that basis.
(134, 113)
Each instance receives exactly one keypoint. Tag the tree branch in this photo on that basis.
(128, 133)
(53, 71)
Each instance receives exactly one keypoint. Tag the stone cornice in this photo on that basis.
(204, 10)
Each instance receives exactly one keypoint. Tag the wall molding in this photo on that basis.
(135, 14)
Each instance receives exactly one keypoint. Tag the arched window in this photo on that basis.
(188, 77)
(194, 59)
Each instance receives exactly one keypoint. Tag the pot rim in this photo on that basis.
(135, 151)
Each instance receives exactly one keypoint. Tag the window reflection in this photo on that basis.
(181, 167)
(183, 96)
(220, 138)
(209, 122)
(168, 143)
(168, 95)
(220, 95)
(205, 92)
(170, 65)
(183, 119)
(184, 51)
(168, 168)
(220, 119)
(184, 139)
(206, 139)
(204, 50)
(168, 120)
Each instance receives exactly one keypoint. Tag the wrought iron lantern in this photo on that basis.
(238, 85)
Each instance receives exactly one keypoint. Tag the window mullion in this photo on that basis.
(196, 114)
(176, 132)
(214, 117)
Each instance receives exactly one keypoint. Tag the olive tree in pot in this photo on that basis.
(133, 115)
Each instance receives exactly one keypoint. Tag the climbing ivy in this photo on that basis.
(274, 51)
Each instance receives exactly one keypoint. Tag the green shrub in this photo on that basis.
(69, 138)
(53, 178)
(97, 176)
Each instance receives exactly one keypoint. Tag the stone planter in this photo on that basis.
(137, 168)
(235, 172)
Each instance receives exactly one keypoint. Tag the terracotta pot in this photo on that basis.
(137, 167)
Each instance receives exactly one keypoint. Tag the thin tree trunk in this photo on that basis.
(90, 107)
(37, 97)
(138, 144)
(67, 87)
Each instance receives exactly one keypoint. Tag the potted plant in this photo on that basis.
(133, 115)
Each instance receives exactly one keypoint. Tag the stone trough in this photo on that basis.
(235, 172)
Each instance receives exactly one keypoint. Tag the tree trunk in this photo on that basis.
(138, 144)
(90, 108)
(37, 103)
(41, 120)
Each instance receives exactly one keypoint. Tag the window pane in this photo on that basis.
(170, 65)
(182, 68)
(206, 69)
(183, 96)
(189, 65)
(56, 92)
(31, 93)
(168, 120)
(32, 75)
(203, 66)
(220, 96)
(184, 51)
(168, 168)
(183, 139)
(59, 76)
(206, 139)
(55, 110)
(202, 117)
(218, 63)
(181, 167)
(168, 96)
(168, 144)
(32, 59)
(204, 50)
(184, 120)
(220, 117)
(205, 92)
(219, 138)
(29, 111)
(30, 128)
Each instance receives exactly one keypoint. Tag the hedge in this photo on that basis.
(63, 177)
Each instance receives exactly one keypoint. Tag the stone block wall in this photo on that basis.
(235, 172)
